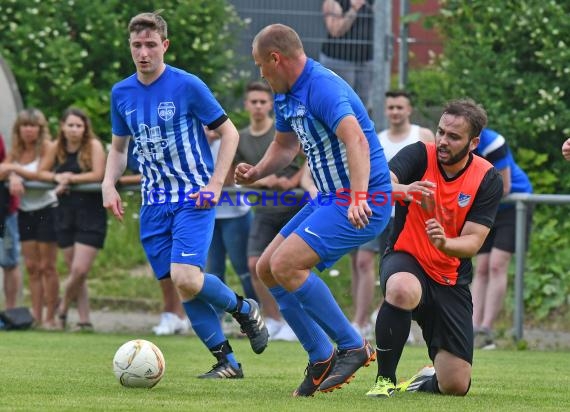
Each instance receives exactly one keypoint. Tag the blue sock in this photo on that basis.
(318, 301)
(312, 337)
(219, 295)
(206, 324)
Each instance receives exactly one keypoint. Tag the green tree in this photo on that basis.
(512, 56)
(67, 53)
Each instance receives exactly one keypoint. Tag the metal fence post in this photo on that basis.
(520, 252)
(382, 60)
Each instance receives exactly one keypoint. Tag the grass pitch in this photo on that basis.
(63, 371)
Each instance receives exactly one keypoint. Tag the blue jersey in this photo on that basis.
(132, 161)
(165, 120)
(313, 108)
(494, 148)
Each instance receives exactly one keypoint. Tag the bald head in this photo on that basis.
(279, 38)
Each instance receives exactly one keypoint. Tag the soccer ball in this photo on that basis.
(138, 364)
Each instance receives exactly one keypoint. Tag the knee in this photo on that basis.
(263, 269)
(33, 269)
(47, 268)
(455, 387)
(403, 294)
(188, 282)
(279, 266)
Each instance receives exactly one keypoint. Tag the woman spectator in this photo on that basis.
(30, 142)
(77, 157)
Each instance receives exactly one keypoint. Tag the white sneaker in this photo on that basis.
(273, 327)
(171, 324)
(286, 334)
(184, 326)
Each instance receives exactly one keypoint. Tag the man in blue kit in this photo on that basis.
(492, 264)
(163, 108)
(316, 108)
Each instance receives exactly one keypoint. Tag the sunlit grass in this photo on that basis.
(65, 371)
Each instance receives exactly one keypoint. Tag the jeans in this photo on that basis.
(230, 238)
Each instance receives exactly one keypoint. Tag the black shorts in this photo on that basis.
(503, 233)
(37, 225)
(445, 313)
(87, 225)
(265, 227)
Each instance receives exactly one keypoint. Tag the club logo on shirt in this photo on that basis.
(463, 199)
(166, 110)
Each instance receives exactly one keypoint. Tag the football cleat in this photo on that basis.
(383, 388)
(253, 326)
(223, 370)
(414, 383)
(315, 374)
(347, 363)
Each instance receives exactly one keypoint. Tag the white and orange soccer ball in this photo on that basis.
(139, 364)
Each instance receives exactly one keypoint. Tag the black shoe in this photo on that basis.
(315, 374)
(253, 325)
(347, 363)
(223, 370)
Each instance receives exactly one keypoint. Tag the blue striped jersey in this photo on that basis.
(166, 120)
(313, 109)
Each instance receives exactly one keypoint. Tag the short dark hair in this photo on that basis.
(474, 113)
(258, 86)
(399, 93)
(149, 21)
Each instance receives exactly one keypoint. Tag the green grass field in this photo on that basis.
(62, 371)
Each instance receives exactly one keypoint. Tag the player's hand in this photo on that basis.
(112, 201)
(207, 197)
(420, 190)
(566, 149)
(245, 174)
(358, 213)
(435, 233)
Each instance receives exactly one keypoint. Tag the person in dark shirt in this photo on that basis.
(348, 49)
(453, 196)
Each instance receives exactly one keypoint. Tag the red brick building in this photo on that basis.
(422, 43)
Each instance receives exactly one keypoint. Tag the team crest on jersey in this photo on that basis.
(166, 110)
(300, 111)
(463, 199)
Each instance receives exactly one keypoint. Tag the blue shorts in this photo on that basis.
(10, 243)
(176, 233)
(323, 224)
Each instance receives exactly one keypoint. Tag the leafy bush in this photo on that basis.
(67, 53)
(512, 56)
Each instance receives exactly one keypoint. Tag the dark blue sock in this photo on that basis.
(206, 324)
(318, 301)
(219, 295)
(312, 337)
